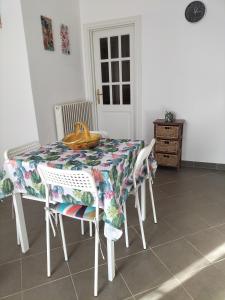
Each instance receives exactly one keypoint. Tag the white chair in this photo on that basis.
(33, 146)
(79, 180)
(10, 153)
(104, 134)
(142, 159)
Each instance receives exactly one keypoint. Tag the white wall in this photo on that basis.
(56, 78)
(183, 68)
(17, 116)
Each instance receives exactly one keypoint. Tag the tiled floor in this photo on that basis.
(185, 258)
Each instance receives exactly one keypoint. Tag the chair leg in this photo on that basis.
(48, 243)
(90, 229)
(140, 220)
(17, 234)
(56, 219)
(125, 225)
(63, 237)
(96, 260)
(17, 231)
(143, 201)
(152, 200)
(82, 227)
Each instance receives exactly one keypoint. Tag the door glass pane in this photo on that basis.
(105, 72)
(114, 47)
(115, 71)
(116, 94)
(126, 94)
(125, 45)
(126, 70)
(104, 48)
(106, 94)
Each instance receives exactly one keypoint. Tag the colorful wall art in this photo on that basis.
(64, 33)
(47, 33)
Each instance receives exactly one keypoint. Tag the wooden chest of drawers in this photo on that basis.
(168, 146)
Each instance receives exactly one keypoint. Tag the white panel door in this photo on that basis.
(114, 78)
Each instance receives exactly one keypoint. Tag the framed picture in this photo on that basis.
(64, 33)
(46, 24)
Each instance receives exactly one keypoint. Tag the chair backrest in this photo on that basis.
(143, 157)
(78, 180)
(10, 153)
(104, 134)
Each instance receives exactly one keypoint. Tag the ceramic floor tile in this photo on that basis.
(160, 233)
(142, 271)
(38, 266)
(181, 258)
(14, 297)
(174, 189)
(10, 278)
(186, 223)
(221, 228)
(9, 250)
(174, 204)
(173, 293)
(37, 241)
(84, 283)
(81, 255)
(6, 210)
(207, 284)
(213, 214)
(58, 290)
(220, 265)
(210, 243)
(7, 227)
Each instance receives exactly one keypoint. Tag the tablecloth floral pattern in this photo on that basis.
(6, 185)
(111, 164)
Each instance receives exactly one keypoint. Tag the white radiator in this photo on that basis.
(69, 113)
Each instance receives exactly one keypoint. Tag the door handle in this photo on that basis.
(98, 94)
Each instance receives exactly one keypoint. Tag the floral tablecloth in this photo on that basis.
(6, 185)
(111, 164)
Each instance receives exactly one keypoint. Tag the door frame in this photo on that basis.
(89, 72)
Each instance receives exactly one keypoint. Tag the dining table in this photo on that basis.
(111, 163)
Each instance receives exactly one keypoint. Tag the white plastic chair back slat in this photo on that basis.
(143, 156)
(67, 178)
(79, 180)
(10, 153)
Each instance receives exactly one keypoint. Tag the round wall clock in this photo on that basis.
(195, 11)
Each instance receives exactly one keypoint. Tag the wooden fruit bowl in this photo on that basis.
(81, 138)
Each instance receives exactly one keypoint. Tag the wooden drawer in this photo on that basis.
(167, 132)
(167, 146)
(169, 160)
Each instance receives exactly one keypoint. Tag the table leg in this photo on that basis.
(20, 222)
(111, 259)
(143, 201)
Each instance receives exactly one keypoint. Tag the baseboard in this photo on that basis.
(202, 165)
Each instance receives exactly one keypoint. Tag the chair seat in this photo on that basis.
(76, 211)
